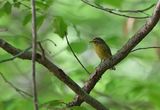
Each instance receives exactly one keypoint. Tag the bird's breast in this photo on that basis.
(102, 51)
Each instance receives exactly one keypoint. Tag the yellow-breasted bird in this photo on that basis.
(102, 49)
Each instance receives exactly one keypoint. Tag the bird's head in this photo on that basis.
(97, 40)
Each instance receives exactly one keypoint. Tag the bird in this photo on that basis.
(102, 49)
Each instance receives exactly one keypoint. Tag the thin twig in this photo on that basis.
(114, 11)
(136, 11)
(49, 41)
(142, 48)
(15, 56)
(34, 47)
(26, 6)
(27, 49)
(75, 55)
(42, 50)
(21, 92)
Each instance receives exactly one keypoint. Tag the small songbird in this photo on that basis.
(102, 49)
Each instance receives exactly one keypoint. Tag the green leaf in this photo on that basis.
(40, 20)
(52, 104)
(41, 4)
(15, 1)
(27, 19)
(49, 2)
(78, 108)
(17, 4)
(7, 7)
(60, 26)
(78, 46)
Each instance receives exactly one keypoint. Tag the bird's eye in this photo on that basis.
(97, 41)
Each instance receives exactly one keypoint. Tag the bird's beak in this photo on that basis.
(91, 41)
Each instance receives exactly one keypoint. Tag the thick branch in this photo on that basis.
(121, 54)
(59, 73)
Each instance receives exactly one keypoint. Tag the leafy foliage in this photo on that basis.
(78, 44)
(60, 26)
(7, 6)
(52, 104)
(135, 83)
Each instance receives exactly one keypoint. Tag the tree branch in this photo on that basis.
(136, 11)
(34, 50)
(115, 11)
(59, 73)
(76, 56)
(15, 56)
(142, 48)
(21, 92)
(27, 49)
(121, 54)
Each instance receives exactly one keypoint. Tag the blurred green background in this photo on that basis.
(133, 86)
